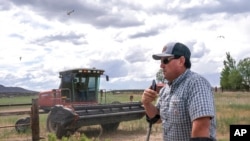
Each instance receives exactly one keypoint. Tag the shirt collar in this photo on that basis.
(179, 79)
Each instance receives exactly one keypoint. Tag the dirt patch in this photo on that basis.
(131, 136)
(119, 135)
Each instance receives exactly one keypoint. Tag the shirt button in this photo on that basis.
(176, 112)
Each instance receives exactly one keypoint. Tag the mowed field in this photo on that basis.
(231, 108)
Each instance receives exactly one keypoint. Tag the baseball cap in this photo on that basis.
(173, 49)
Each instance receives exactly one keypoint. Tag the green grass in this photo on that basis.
(16, 100)
(239, 106)
(231, 108)
(119, 97)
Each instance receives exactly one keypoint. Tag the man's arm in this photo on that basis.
(201, 108)
(151, 110)
(200, 129)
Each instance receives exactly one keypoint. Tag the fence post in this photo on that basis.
(35, 121)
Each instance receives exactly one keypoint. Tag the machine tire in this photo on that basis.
(60, 132)
(20, 128)
(110, 127)
(56, 128)
(51, 127)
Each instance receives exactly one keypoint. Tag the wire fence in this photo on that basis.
(23, 124)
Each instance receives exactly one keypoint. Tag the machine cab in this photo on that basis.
(80, 85)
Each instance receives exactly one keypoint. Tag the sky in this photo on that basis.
(40, 38)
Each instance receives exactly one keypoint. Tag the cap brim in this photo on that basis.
(162, 55)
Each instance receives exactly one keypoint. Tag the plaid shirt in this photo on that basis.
(189, 97)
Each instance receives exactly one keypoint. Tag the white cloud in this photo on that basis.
(118, 36)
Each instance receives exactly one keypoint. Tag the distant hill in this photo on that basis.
(17, 91)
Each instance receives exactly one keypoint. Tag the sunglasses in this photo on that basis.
(168, 59)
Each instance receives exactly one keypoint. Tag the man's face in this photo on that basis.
(169, 66)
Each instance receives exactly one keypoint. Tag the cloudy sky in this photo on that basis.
(39, 38)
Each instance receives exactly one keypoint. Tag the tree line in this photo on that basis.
(235, 76)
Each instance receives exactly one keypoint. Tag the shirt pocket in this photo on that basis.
(178, 112)
(164, 111)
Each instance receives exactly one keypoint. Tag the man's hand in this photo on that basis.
(148, 96)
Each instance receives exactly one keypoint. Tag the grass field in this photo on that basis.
(231, 108)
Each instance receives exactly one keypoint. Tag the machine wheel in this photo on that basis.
(51, 126)
(110, 127)
(56, 128)
(61, 132)
(22, 125)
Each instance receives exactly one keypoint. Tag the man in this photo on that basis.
(81, 91)
(185, 106)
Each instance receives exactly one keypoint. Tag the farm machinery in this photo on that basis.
(75, 104)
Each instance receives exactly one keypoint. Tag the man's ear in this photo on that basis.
(182, 60)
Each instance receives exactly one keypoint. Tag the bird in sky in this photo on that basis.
(20, 58)
(220, 36)
(69, 12)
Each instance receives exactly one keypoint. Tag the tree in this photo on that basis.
(235, 79)
(244, 69)
(224, 83)
(160, 76)
(229, 66)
